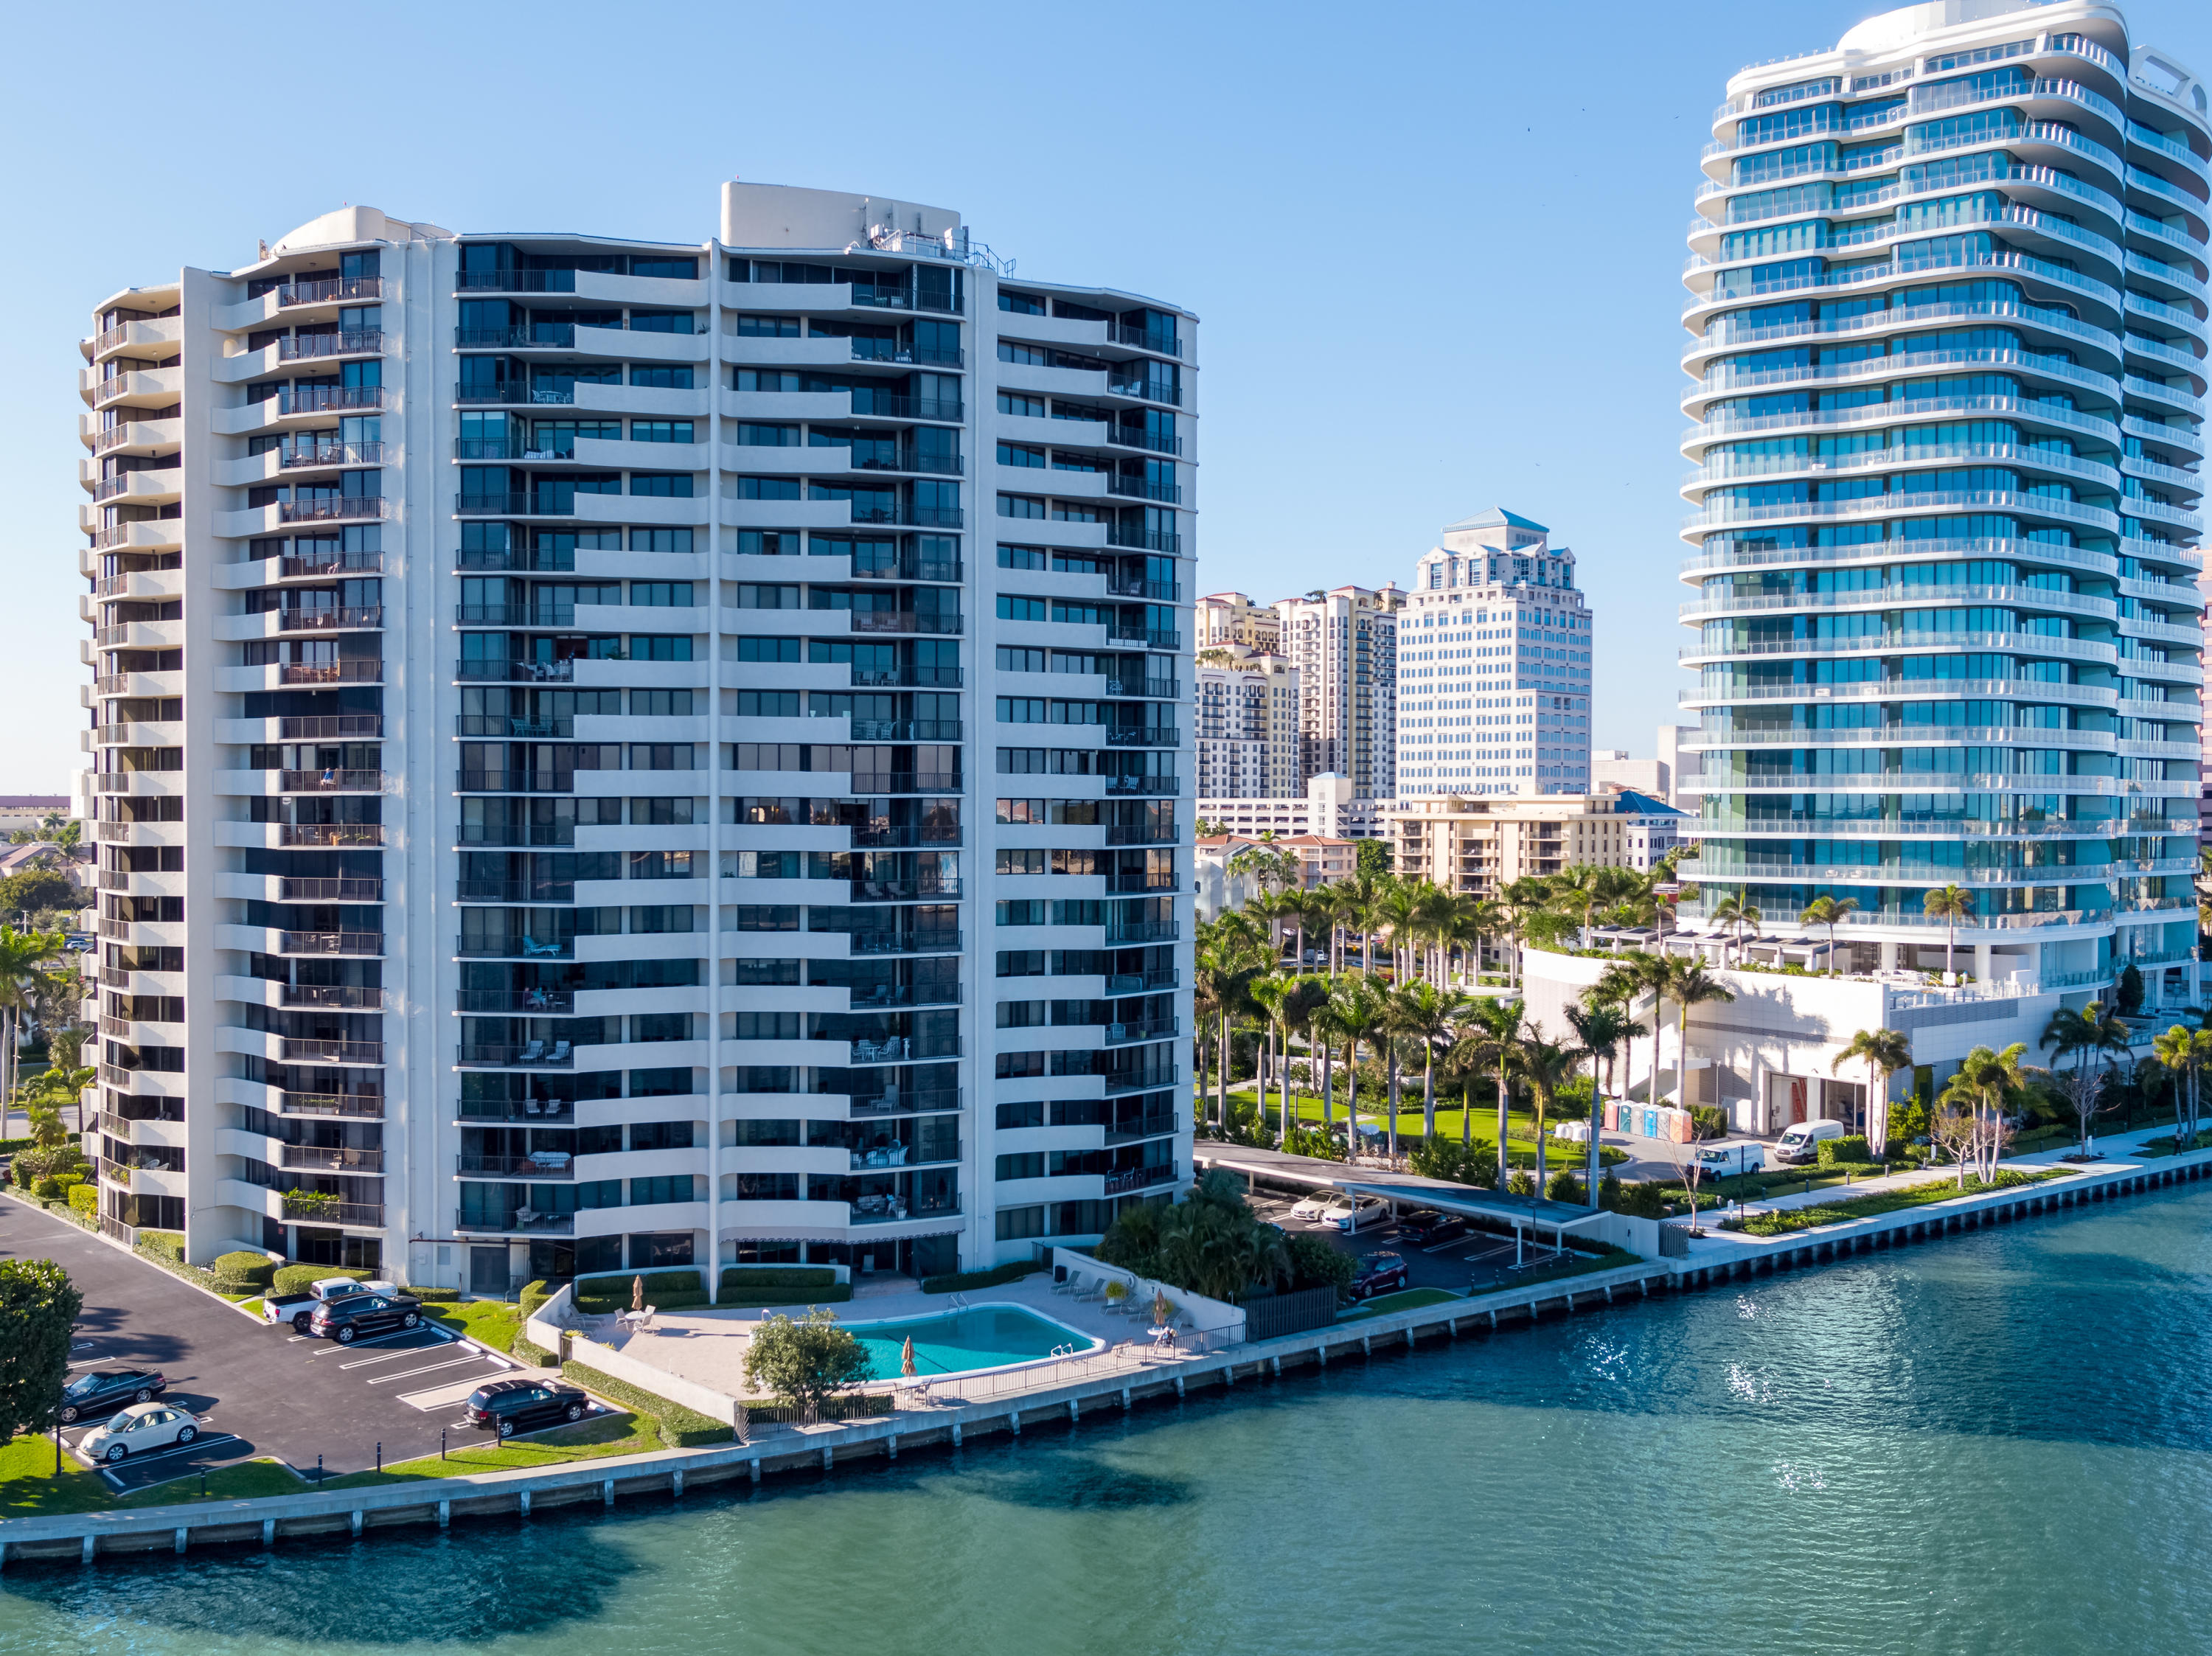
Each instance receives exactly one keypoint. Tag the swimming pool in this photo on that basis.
(962, 1342)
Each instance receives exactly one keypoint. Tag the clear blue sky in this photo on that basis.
(1435, 248)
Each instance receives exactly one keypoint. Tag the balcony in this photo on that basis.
(1154, 689)
(1144, 339)
(1137, 489)
(1121, 1034)
(515, 891)
(312, 1207)
(519, 946)
(521, 672)
(1153, 637)
(328, 399)
(343, 997)
(516, 1002)
(905, 621)
(906, 730)
(895, 678)
(346, 342)
(910, 942)
(347, 290)
(1143, 736)
(1129, 932)
(329, 942)
(938, 888)
(360, 1106)
(515, 615)
(333, 618)
(297, 1051)
(1138, 1081)
(331, 672)
(545, 1111)
(1138, 983)
(521, 1222)
(1156, 787)
(887, 405)
(515, 282)
(1129, 1179)
(308, 1157)
(332, 727)
(537, 1168)
(322, 566)
(926, 1102)
(890, 1210)
(889, 350)
(514, 781)
(329, 781)
(542, 335)
(1148, 390)
(913, 517)
(1151, 540)
(513, 504)
(292, 888)
(329, 834)
(1151, 441)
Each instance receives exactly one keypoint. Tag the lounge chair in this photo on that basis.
(559, 1054)
(531, 1053)
(1073, 1283)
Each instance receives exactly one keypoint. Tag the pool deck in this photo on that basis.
(709, 1347)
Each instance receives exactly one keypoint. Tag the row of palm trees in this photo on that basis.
(37, 986)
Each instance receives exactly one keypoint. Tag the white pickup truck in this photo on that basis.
(298, 1309)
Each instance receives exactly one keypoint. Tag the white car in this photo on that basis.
(139, 1428)
(1346, 1214)
(1310, 1207)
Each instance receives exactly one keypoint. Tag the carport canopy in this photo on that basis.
(1498, 1207)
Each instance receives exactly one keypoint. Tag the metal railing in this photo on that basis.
(519, 1055)
(517, 1002)
(331, 672)
(514, 1224)
(316, 1051)
(331, 727)
(347, 996)
(330, 781)
(318, 566)
(332, 454)
(346, 342)
(329, 942)
(326, 399)
(512, 1167)
(364, 1106)
(306, 1207)
(330, 834)
(332, 618)
(329, 290)
(318, 1159)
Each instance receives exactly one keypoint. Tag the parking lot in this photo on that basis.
(1474, 1260)
(256, 1390)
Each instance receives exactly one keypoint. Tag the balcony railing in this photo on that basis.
(517, 1002)
(310, 1157)
(1136, 983)
(906, 621)
(1146, 540)
(1152, 441)
(515, 1167)
(552, 725)
(319, 566)
(333, 618)
(528, 672)
(516, 614)
(1143, 736)
(1153, 637)
(367, 1107)
(1128, 931)
(331, 943)
(1129, 1179)
(330, 781)
(345, 997)
(330, 291)
(1154, 689)
(328, 399)
(331, 672)
(292, 888)
(1140, 488)
(521, 1221)
(1151, 390)
(516, 282)
(908, 943)
(1137, 1081)
(1155, 787)
(1121, 1035)
(330, 834)
(519, 1055)
(332, 727)
(346, 342)
(313, 1051)
(314, 1208)
(514, 781)
(515, 891)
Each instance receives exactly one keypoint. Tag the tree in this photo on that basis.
(1735, 914)
(1884, 1052)
(1951, 1128)
(1375, 857)
(1688, 984)
(38, 1311)
(808, 1359)
(1600, 1025)
(1429, 1015)
(1987, 1081)
(1268, 994)
(1495, 1040)
(1357, 1009)
(1548, 1066)
(2183, 1052)
(1518, 903)
(2128, 999)
(24, 959)
(1228, 959)
(36, 889)
(1949, 904)
(1691, 1172)
(1830, 912)
(2084, 1090)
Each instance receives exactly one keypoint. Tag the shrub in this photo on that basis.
(1521, 1183)
(680, 1428)
(535, 1356)
(968, 1281)
(1849, 1151)
(1474, 1164)
(534, 1295)
(1608, 1193)
(164, 1244)
(85, 1198)
(810, 1359)
(1564, 1186)
(1708, 1121)
(235, 1273)
(1315, 1264)
(666, 1290)
(778, 1277)
(431, 1296)
(298, 1279)
(48, 1189)
(1642, 1201)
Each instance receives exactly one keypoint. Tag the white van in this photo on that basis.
(1800, 1143)
(1728, 1160)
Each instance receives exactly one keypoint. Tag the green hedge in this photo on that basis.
(298, 1279)
(84, 1199)
(749, 1276)
(239, 1271)
(967, 1282)
(433, 1295)
(536, 1357)
(680, 1428)
(534, 1295)
(48, 1189)
(162, 1243)
(834, 1294)
(1849, 1151)
(664, 1290)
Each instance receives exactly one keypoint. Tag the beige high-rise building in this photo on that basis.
(1232, 618)
(1344, 643)
(1480, 847)
(1247, 718)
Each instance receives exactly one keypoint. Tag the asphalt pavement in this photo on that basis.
(1476, 1258)
(257, 1390)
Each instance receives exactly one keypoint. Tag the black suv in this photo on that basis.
(1425, 1226)
(357, 1316)
(509, 1406)
(105, 1391)
(1379, 1273)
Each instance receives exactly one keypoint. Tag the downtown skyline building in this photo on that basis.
(1947, 302)
(608, 754)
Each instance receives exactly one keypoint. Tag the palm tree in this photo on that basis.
(1601, 1024)
(1548, 1066)
(1474, 921)
(1949, 904)
(1358, 1008)
(1884, 1052)
(1437, 916)
(1221, 977)
(24, 958)
(1517, 905)
(1735, 914)
(1986, 1080)
(1495, 1040)
(2176, 1049)
(1429, 1015)
(1688, 984)
(1304, 1000)
(1397, 908)
(1268, 994)
(1830, 911)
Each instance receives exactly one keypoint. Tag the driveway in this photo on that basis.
(257, 1390)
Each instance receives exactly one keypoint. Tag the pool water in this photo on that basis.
(985, 1337)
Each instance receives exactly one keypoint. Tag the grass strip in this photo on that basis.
(1781, 1222)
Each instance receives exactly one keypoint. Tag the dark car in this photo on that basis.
(1379, 1273)
(518, 1405)
(105, 1391)
(359, 1316)
(1425, 1226)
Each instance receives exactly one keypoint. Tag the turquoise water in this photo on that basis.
(2000, 1443)
(986, 1336)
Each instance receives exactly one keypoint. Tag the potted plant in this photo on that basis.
(1117, 1293)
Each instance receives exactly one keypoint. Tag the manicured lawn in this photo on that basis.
(243, 1482)
(494, 1322)
(29, 1487)
(1405, 1300)
(590, 1440)
(1519, 1135)
(1785, 1220)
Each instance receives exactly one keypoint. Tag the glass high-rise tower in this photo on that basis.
(1947, 317)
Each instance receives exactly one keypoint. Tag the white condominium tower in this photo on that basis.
(612, 755)
(1343, 644)
(1494, 680)
(1948, 319)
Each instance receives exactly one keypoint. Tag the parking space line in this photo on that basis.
(396, 1353)
(108, 1468)
(438, 1396)
(405, 1374)
(336, 1347)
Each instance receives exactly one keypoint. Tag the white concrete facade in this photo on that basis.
(1343, 644)
(411, 550)
(1494, 681)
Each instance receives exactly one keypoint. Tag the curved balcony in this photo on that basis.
(148, 436)
(1904, 689)
(329, 290)
(2072, 284)
(1727, 514)
(1898, 736)
(1721, 381)
(2034, 645)
(342, 617)
(1901, 598)
(1723, 468)
(1723, 336)
(346, 342)
(1719, 428)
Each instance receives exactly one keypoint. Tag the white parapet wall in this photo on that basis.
(1218, 1322)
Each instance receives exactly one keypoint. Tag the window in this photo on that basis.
(767, 489)
(1021, 506)
(1015, 1224)
(659, 646)
(1029, 355)
(1021, 454)
(662, 918)
(664, 485)
(755, 434)
(659, 1084)
(1013, 401)
(662, 704)
(1021, 1014)
(670, 1187)
(661, 1135)
(764, 917)
(661, 540)
(1015, 1066)
(1012, 606)
(1021, 304)
(1027, 1113)
(1027, 1164)
(661, 1026)
(1022, 962)
(765, 595)
(661, 812)
(660, 756)
(1012, 658)
(662, 431)
(1023, 557)
(765, 1186)
(1026, 911)
(1021, 862)
(760, 704)
(768, 327)
(668, 269)
(663, 594)
(1024, 710)
(664, 375)
(771, 975)
(660, 321)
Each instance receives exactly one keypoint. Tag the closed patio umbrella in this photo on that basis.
(906, 1357)
(637, 1293)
